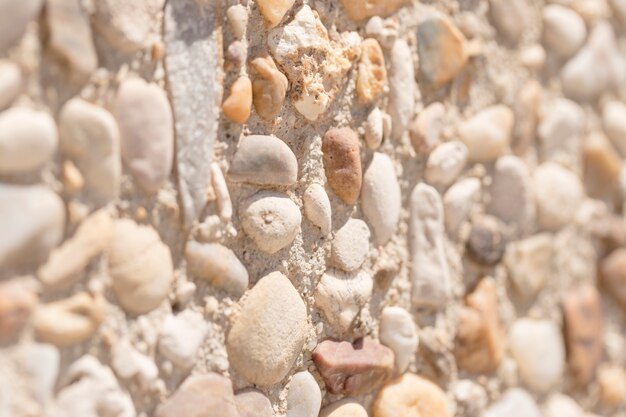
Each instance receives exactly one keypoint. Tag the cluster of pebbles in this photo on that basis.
(303, 208)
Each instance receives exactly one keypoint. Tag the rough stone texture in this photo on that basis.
(399, 333)
(253, 403)
(263, 160)
(411, 395)
(127, 26)
(372, 78)
(342, 163)
(218, 265)
(351, 245)
(304, 398)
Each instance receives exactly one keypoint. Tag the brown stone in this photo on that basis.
(372, 73)
(269, 87)
(17, 302)
(353, 368)
(582, 315)
(602, 165)
(342, 163)
(410, 396)
(363, 9)
(252, 403)
(480, 337)
(238, 105)
(209, 395)
(613, 275)
(486, 244)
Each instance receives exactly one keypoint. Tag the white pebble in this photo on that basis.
(381, 197)
(238, 20)
(304, 397)
(564, 31)
(398, 332)
(614, 119)
(445, 163)
(514, 403)
(459, 202)
(560, 405)
(374, 129)
(488, 134)
(401, 87)
(181, 337)
(351, 245)
(558, 193)
(317, 207)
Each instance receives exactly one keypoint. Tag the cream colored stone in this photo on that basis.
(238, 19)
(558, 193)
(381, 197)
(344, 408)
(274, 10)
(411, 395)
(269, 87)
(317, 207)
(398, 332)
(10, 82)
(445, 163)
(351, 245)
(341, 297)
(218, 265)
(488, 133)
(372, 77)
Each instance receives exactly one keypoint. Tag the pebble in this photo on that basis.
(269, 87)
(560, 132)
(372, 76)
(304, 397)
(442, 50)
(510, 17)
(317, 208)
(353, 368)
(430, 275)
(558, 195)
(528, 262)
(341, 297)
(398, 332)
(344, 408)
(486, 243)
(540, 365)
(40, 362)
(470, 397)
(222, 195)
(602, 165)
(411, 395)
(488, 133)
(238, 105)
(252, 403)
(218, 265)
(127, 26)
(16, 14)
(559, 405)
(238, 20)
(533, 57)
(181, 336)
(350, 247)
(145, 120)
(363, 9)
(17, 302)
(70, 36)
(614, 121)
(374, 129)
(526, 109)
(459, 202)
(32, 220)
(381, 198)
(28, 140)
(261, 348)
(207, 395)
(69, 321)
(480, 339)
(263, 160)
(401, 88)
(10, 82)
(511, 193)
(127, 362)
(564, 31)
(426, 129)
(445, 163)
(140, 266)
(271, 219)
(274, 10)
(613, 275)
(516, 402)
(68, 262)
(612, 384)
(342, 163)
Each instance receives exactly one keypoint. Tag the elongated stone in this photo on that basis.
(317, 207)
(351, 245)
(263, 160)
(342, 163)
(269, 87)
(399, 333)
(372, 77)
(14, 16)
(401, 88)
(445, 163)
(381, 197)
(613, 275)
(218, 265)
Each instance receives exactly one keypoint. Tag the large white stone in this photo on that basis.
(564, 31)
(399, 333)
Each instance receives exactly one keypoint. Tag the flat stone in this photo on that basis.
(317, 207)
(459, 202)
(263, 160)
(10, 82)
(342, 297)
(372, 76)
(516, 402)
(145, 120)
(17, 302)
(560, 132)
(510, 17)
(486, 243)
(344, 408)
(208, 395)
(268, 334)
(398, 332)
(353, 368)
(426, 129)
(529, 263)
(487, 134)
(401, 88)
(614, 121)
(269, 87)
(381, 198)
(304, 397)
(181, 336)
(564, 31)
(411, 395)
(363, 9)
(342, 163)
(613, 275)
(218, 265)
(445, 163)
(350, 247)
(28, 140)
(558, 195)
(430, 275)
(272, 220)
(127, 26)
(16, 14)
(442, 50)
(252, 403)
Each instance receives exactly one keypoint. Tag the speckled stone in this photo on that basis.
(342, 163)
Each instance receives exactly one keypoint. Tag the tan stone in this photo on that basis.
(410, 396)
(344, 408)
(274, 10)
(342, 163)
(426, 129)
(363, 9)
(269, 87)
(372, 77)
(17, 302)
(612, 384)
(602, 164)
(238, 105)
(613, 275)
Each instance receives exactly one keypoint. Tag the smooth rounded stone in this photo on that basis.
(401, 88)
(442, 50)
(14, 17)
(559, 405)
(317, 208)
(40, 363)
(268, 334)
(263, 160)
(218, 265)
(32, 220)
(511, 193)
(274, 10)
(486, 243)
(17, 302)
(238, 105)
(146, 124)
(558, 195)
(272, 220)
(596, 68)
(564, 31)
(342, 297)
(10, 82)
(398, 332)
(69, 321)
(426, 129)
(540, 365)
(510, 17)
(127, 26)
(516, 402)
(526, 109)
(342, 163)
(487, 134)
(90, 136)
(602, 165)
(181, 336)
(374, 129)
(612, 385)
(459, 202)
(353, 368)
(408, 396)
(533, 57)
(252, 403)
(351, 245)
(28, 140)
(238, 20)
(560, 132)
(381, 198)
(344, 408)
(528, 262)
(363, 9)
(445, 163)
(480, 340)
(613, 275)
(140, 266)
(269, 87)
(208, 395)
(372, 76)
(304, 397)
(614, 121)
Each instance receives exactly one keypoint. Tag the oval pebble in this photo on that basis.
(445, 163)
(558, 195)
(342, 163)
(344, 408)
(252, 403)
(304, 397)
(426, 128)
(10, 82)
(218, 265)
(410, 395)
(487, 135)
(398, 332)
(263, 160)
(401, 87)
(515, 402)
(459, 202)
(381, 197)
(351, 245)
(317, 207)
(374, 130)
(564, 31)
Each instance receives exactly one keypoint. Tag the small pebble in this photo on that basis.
(558, 194)
(17, 302)
(602, 165)
(528, 262)
(128, 362)
(515, 402)
(613, 275)
(363, 9)
(351, 246)
(486, 243)
(317, 208)
(614, 120)
(411, 395)
(401, 88)
(238, 20)
(398, 332)
(222, 195)
(341, 298)
(560, 132)
(510, 17)
(263, 160)
(374, 131)
(612, 384)
(269, 87)
(344, 408)
(488, 133)
(459, 202)
(14, 18)
(237, 53)
(564, 31)
(426, 129)
(218, 265)
(372, 76)
(559, 405)
(274, 10)
(304, 397)
(533, 57)
(252, 403)
(10, 82)
(445, 163)
(238, 105)
(342, 163)
(381, 198)
(181, 336)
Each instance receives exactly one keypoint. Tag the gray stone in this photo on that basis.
(263, 160)
(14, 17)
(218, 265)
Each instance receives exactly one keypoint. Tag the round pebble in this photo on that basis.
(304, 397)
(487, 135)
(558, 195)
(263, 160)
(381, 197)
(351, 245)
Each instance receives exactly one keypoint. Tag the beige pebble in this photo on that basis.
(10, 82)
(459, 202)
(317, 207)
(127, 26)
(269, 87)
(14, 17)
(614, 121)
(602, 165)
(181, 336)
(515, 402)
(560, 132)
(238, 105)
(558, 194)
(224, 203)
(17, 302)
(374, 130)
(408, 396)
(263, 160)
(73, 180)
(304, 397)
(564, 31)
(401, 88)
(351, 245)
(613, 275)
(510, 17)
(528, 262)
(381, 198)
(488, 133)
(274, 10)
(362, 9)
(238, 20)
(533, 57)
(218, 265)
(344, 408)
(612, 384)
(426, 129)
(342, 163)
(398, 332)
(372, 76)
(445, 163)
